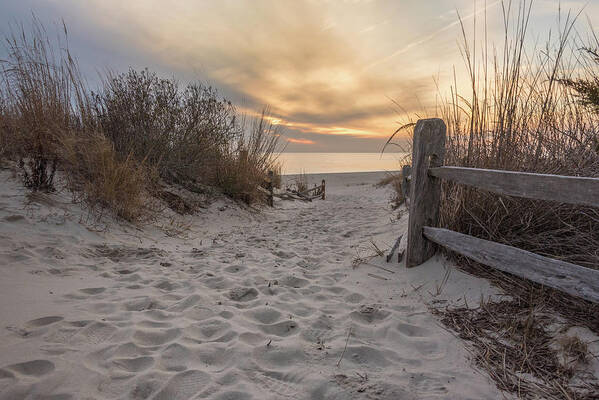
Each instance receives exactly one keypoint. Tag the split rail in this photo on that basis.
(425, 192)
(318, 191)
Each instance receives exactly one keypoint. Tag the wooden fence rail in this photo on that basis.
(423, 236)
(307, 195)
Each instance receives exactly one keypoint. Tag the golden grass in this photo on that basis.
(518, 115)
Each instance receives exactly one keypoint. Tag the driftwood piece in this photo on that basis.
(570, 278)
(378, 266)
(563, 189)
(377, 277)
(425, 191)
(395, 246)
(315, 188)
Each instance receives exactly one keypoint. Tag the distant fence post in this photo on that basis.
(428, 151)
(271, 176)
(323, 189)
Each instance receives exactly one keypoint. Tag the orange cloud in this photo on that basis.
(301, 141)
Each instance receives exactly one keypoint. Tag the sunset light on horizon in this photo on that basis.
(336, 75)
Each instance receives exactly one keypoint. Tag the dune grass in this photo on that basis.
(115, 144)
(528, 109)
(520, 117)
(524, 111)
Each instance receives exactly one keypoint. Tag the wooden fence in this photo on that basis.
(318, 191)
(425, 191)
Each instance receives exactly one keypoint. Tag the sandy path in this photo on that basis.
(258, 308)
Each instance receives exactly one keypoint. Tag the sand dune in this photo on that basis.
(245, 306)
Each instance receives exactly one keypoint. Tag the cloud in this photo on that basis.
(301, 141)
(325, 68)
(275, 53)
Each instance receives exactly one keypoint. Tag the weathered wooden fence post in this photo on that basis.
(428, 151)
(271, 177)
(323, 188)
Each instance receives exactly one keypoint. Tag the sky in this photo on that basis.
(337, 76)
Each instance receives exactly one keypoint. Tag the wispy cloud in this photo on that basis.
(405, 48)
(327, 69)
(301, 141)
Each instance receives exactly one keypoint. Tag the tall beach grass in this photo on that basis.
(526, 108)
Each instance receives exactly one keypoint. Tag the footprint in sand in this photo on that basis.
(294, 282)
(94, 333)
(412, 330)
(136, 364)
(235, 269)
(35, 368)
(281, 329)
(243, 294)
(92, 291)
(211, 330)
(183, 386)
(234, 395)
(265, 315)
(175, 357)
(44, 321)
(368, 314)
(155, 337)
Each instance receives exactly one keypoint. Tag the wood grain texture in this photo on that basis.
(428, 151)
(570, 278)
(563, 189)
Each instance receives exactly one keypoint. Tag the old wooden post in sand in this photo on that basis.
(323, 188)
(425, 191)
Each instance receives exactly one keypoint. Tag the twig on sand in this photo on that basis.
(377, 277)
(379, 267)
(345, 348)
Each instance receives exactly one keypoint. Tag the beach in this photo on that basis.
(268, 304)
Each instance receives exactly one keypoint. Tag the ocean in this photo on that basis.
(318, 163)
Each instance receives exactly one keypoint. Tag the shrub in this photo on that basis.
(181, 132)
(48, 123)
(190, 136)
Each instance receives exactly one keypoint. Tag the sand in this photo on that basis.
(241, 305)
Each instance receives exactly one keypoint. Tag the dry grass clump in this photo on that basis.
(512, 342)
(247, 160)
(396, 181)
(99, 178)
(277, 178)
(115, 145)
